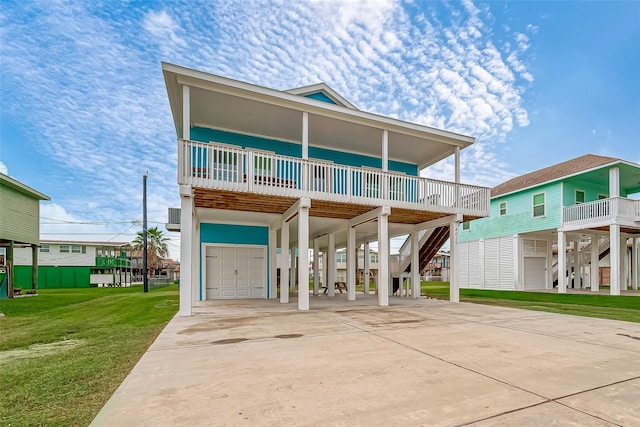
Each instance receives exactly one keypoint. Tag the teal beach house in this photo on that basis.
(575, 224)
(265, 173)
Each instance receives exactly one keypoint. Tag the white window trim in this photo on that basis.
(533, 213)
(500, 209)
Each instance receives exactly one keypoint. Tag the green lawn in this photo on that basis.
(64, 352)
(603, 306)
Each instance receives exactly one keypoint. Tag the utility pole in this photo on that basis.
(145, 278)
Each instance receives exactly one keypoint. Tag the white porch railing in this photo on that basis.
(215, 166)
(612, 210)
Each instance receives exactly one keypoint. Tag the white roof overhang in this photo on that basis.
(222, 103)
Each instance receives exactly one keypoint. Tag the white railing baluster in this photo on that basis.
(210, 165)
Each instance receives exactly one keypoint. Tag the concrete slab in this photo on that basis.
(417, 362)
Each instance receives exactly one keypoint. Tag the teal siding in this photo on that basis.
(295, 150)
(519, 218)
(320, 96)
(591, 190)
(234, 234)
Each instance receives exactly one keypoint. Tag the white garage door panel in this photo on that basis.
(235, 272)
(534, 272)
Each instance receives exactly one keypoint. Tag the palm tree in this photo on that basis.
(156, 246)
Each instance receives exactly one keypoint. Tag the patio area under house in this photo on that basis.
(272, 181)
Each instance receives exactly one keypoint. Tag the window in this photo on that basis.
(602, 196)
(579, 197)
(503, 208)
(77, 249)
(64, 249)
(538, 205)
(341, 257)
(374, 258)
(44, 248)
(466, 225)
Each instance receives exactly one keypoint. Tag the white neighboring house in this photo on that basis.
(75, 264)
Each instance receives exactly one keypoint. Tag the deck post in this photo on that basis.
(284, 263)
(186, 221)
(454, 285)
(562, 263)
(316, 263)
(303, 254)
(594, 279)
(383, 257)
(352, 260)
(614, 258)
(273, 263)
(367, 268)
(331, 265)
(186, 113)
(635, 262)
(415, 264)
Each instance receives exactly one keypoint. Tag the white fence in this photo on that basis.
(210, 165)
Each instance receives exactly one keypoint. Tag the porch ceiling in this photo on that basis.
(255, 209)
(218, 102)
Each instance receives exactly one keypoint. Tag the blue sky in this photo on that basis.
(84, 112)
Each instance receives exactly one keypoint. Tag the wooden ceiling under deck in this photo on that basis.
(625, 230)
(251, 202)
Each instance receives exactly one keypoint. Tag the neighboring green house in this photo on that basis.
(19, 227)
(65, 264)
(581, 206)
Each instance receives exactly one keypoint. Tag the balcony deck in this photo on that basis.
(256, 181)
(600, 214)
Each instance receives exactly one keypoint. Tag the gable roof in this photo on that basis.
(7, 181)
(324, 89)
(218, 102)
(552, 173)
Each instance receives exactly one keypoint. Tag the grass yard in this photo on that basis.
(64, 352)
(603, 306)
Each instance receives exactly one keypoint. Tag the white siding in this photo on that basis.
(54, 257)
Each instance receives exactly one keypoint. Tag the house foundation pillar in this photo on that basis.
(594, 277)
(331, 265)
(284, 263)
(383, 257)
(352, 264)
(186, 225)
(562, 263)
(614, 258)
(316, 269)
(303, 255)
(415, 264)
(367, 260)
(454, 285)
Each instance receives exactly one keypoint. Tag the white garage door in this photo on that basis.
(534, 273)
(235, 272)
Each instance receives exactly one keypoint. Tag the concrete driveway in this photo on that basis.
(416, 363)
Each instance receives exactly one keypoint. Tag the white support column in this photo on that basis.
(273, 263)
(196, 280)
(303, 255)
(594, 279)
(624, 258)
(457, 166)
(305, 135)
(293, 269)
(383, 257)
(316, 268)
(325, 269)
(562, 263)
(186, 224)
(385, 150)
(454, 285)
(186, 113)
(614, 258)
(331, 265)
(577, 263)
(367, 259)
(284, 262)
(415, 264)
(635, 263)
(352, 262)
(614, 182)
